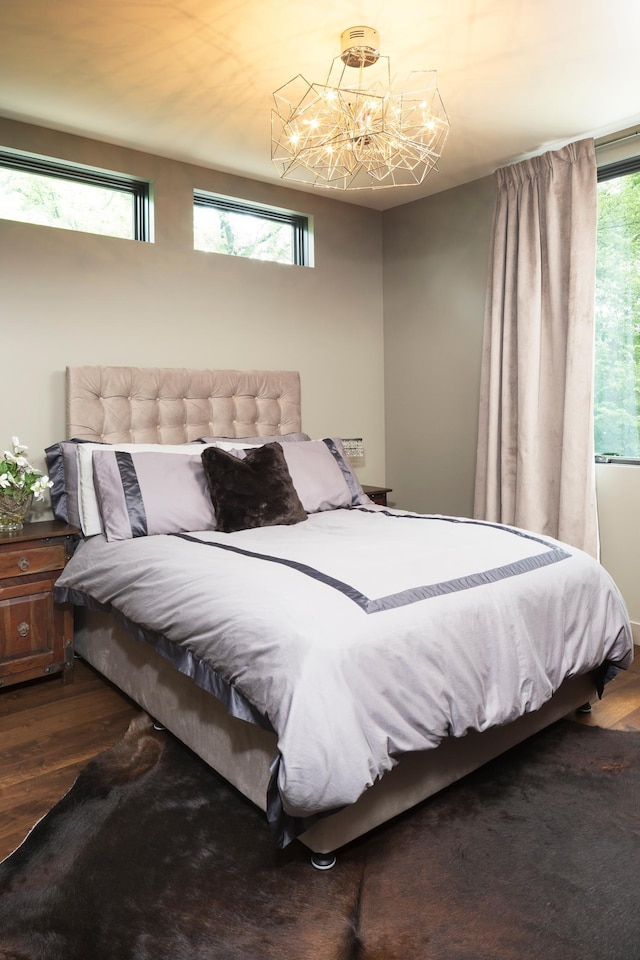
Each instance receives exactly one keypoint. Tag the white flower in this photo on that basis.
(39, 486)
(17, 446)
(18, 476)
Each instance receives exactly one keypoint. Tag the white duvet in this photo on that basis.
(361, 634)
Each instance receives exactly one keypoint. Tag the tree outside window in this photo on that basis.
(68, 204)
(617, 366)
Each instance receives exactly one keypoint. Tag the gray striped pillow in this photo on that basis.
(143, 494)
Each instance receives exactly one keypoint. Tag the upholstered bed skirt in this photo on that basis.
(242, 753)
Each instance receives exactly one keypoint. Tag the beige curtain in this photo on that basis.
(535, 463)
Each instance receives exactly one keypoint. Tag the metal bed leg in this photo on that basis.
(585, 708)
(323, 861)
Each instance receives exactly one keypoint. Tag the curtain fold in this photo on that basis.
(535, 460)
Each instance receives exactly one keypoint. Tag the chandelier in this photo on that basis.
(355, 131)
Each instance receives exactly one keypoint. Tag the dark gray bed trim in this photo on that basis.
(132, 493)
(284, 828)
(420, 592)
(183, 659)
(349, 478)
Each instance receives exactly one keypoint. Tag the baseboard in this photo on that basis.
(635, 628)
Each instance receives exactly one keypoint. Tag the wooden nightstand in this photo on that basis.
(377, 494)
(36, 635)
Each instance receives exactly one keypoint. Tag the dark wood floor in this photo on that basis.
(48, 731)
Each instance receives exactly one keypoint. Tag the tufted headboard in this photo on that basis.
(175, 405)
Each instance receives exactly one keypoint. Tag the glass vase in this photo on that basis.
(13, 510)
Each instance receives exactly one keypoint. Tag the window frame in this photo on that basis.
(611, 171)
(300, 223)
(619, 168)
(140, 190)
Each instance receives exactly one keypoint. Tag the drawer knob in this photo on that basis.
(23, 563)
(23, 629)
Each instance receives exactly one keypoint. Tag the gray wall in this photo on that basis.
(72, 298)
(435, 268)
(435, 271)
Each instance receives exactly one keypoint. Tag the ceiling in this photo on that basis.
(193, 79)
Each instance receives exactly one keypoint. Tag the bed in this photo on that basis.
(336, 661)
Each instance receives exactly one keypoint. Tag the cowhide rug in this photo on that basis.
(150, 856)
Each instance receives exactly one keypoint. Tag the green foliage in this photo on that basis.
(617, 367)
(242, 235)
(52, 202)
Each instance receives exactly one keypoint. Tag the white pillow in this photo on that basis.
(88, 507)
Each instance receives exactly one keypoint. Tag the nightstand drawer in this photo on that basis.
(28, 640)
(36, 634)
(24, 622)
(29, 559)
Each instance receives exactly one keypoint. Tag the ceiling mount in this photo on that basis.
(360, 46)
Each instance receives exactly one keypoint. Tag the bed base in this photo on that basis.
(130, 404)
(242, 752)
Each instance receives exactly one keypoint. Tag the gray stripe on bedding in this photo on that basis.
(132, 494)
(414, 594)
(441, 518)
(183, 659)
(344, 588)
(349, 479)
(431, 590)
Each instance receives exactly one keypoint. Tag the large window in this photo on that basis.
(227, 225)
(55, 194)
(617, 370)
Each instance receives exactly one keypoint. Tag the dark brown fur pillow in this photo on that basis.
(256, 491)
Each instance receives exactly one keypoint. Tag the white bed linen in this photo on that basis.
(361, 634)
